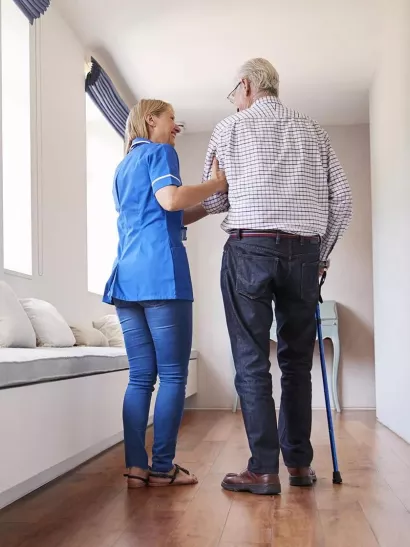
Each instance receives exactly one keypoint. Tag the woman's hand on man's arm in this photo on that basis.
(177, 198)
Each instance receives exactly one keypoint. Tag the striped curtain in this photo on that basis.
(107, 99)
(32, 9)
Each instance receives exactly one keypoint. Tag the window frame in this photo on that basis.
(35, 148)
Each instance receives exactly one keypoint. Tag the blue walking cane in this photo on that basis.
(337, 477)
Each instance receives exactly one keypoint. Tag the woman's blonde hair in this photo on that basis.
(137, 126)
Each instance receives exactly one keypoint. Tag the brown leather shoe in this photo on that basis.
(301, 476)
(255, 483)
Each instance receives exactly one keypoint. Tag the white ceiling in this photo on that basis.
(187, 51)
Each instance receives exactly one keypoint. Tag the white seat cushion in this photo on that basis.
(50, 327)
(19, 367)
(16, 330)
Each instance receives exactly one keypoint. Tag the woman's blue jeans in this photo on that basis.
(158, 338)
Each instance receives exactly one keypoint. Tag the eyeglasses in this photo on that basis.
(231, 96)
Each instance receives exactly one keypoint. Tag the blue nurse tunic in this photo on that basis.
(151, 261)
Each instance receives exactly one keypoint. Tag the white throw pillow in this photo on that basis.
(16, 330)
(51, 329)
(110, 326)
(88, 336)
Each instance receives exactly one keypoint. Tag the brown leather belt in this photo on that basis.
(270, 233)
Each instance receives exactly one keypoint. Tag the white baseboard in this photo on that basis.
(24, 488)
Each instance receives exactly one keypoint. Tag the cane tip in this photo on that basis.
(337, 477)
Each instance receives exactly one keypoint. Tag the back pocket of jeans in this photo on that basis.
(310, 281)
(254, 275)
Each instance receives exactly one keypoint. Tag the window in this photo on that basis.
(105, 150)
(16, 145)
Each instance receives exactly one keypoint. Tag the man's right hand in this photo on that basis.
(219, 176)
(323, 267)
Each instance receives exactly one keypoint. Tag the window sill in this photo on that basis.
(17, 274)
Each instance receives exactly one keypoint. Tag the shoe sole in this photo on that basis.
(135, 484)
(303, 481)
(259, 489)
(169, 484)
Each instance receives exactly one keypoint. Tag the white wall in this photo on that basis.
(390, 147)
(60, 240)
(349, 283)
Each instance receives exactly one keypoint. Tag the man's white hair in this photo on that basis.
(262, 74)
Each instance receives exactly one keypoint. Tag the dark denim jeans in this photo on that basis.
(158, 338)
(255, 272)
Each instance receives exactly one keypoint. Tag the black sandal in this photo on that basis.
(132, 478)
(171, 476)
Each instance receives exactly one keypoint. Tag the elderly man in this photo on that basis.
(288, 204)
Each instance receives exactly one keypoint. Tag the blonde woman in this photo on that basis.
(151, 287)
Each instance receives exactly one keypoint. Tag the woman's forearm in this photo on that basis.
(193, 214)
(178, 198)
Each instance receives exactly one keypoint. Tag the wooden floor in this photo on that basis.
(92, 508)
